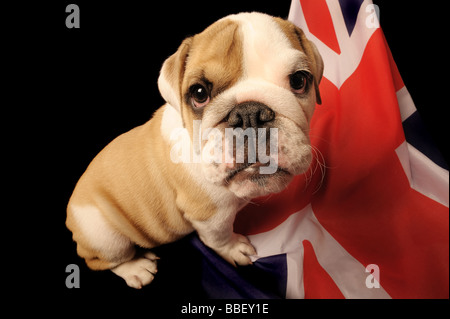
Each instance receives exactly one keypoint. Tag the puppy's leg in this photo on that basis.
(217, 233)
(103, 247)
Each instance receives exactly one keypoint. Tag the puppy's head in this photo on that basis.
(245, 89)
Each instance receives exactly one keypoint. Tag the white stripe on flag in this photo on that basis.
(348, 273)
(405, 103)
(423, 174)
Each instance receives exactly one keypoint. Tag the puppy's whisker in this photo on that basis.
(317, 166)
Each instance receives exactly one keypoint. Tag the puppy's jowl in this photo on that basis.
(248, 70)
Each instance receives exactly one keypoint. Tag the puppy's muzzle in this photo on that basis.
(250, 115)
(251, 125)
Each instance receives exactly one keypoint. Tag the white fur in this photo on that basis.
(138, 272)
(268, 54)
(217, 233)
(171, 121)
(167, 91)
(99, 233)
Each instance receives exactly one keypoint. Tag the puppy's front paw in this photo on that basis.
(237, 250)
(138, 272)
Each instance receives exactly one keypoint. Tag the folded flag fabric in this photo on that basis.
(370, 218)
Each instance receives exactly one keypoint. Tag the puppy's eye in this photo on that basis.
(199, 95)
(299, 81)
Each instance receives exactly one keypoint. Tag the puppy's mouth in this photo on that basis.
(246, 180)
(251, 171)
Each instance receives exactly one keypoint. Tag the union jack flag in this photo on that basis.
(370, 219)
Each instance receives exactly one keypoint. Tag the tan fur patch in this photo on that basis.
(172, 74)
(215, 59)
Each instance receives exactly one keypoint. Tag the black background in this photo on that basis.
(74, 90)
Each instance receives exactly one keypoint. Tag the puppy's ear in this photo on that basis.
(319, 70)
(171, 75)
(313, 54)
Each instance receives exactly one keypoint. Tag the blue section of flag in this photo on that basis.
(266, 279)
(275, 268)
(350, 9)
(417, 135)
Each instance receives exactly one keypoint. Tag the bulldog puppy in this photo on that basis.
(248, 77)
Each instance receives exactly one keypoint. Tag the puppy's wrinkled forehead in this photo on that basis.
(237, 45)
(269, 50)
(248, 45)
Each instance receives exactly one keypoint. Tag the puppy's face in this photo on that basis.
(246, 89)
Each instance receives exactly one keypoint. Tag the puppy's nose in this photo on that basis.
(250, 114)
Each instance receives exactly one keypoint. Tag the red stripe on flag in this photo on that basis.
(316, 281)
(320, 23)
